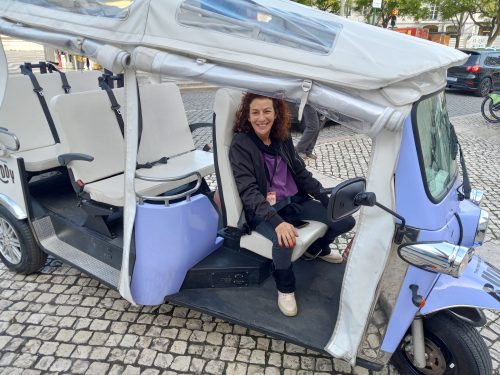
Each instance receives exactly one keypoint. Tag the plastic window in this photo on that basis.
(436, 145)
(246, 18)
(99, 8)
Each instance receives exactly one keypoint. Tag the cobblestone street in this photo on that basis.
(61, 321)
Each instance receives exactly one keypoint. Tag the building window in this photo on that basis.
(433, 12)
(484, 30)
(431, 28)
(452, 31)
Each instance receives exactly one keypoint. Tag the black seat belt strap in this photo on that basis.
(151, 164)
(39, 93)
(114, 104)
(65, 84)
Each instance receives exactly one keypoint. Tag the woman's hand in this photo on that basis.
(286, 235)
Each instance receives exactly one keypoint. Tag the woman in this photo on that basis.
(276, 189)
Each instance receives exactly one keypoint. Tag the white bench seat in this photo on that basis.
(226, 104)
(110, 190)
(87, 125)
(22, 114)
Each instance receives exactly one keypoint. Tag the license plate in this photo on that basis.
(451, 79)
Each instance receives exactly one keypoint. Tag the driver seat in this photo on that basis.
(226, 105)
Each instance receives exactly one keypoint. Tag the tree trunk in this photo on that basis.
(494, 29)
(461, 23)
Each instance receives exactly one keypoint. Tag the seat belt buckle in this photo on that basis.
(117, 109)
(39, 91)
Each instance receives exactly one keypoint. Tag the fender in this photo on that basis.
(478, 286)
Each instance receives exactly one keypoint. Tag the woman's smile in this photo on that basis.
(261, 116)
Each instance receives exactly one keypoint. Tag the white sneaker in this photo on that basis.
(333, 257)
(287, 303)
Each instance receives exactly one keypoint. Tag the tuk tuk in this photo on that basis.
(108, 179)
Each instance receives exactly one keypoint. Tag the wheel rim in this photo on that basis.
(485, 87)
(10, 248)
(437, 362)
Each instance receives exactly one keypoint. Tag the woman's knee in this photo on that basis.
(345, 225)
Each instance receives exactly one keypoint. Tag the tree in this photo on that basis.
(457, 11)
(332, 6)
(415, 8)
(489, 10)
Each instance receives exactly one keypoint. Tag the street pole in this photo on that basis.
(374, 16)
(342, 6)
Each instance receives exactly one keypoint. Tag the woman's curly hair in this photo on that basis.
(281, 124)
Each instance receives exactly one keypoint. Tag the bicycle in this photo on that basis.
(492, 103)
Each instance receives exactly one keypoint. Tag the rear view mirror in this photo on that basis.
(341, 202)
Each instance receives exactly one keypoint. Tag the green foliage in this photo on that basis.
(451, 9)
(332, 6)
(458, 11)
(414, 8)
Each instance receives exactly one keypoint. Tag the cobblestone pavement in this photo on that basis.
(61, 321)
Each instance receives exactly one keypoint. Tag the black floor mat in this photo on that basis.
(318, 293)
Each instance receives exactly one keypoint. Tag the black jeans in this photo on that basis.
(309, 210)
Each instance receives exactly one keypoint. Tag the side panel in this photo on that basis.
(11, 190)
(479, 286)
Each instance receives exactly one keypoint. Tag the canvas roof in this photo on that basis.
(299, 41)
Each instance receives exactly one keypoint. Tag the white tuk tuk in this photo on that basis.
(108, 179)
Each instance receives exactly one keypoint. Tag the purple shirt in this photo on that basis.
(280, 179)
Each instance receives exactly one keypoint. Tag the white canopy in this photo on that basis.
(365, 76)
(299, 41)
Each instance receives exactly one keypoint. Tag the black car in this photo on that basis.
(480, 73)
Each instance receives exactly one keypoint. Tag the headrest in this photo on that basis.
(227, 102)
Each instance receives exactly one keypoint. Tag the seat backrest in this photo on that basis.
(22, 114)
(165, 129)
(86, 124)
(79, 82)
(226, 104)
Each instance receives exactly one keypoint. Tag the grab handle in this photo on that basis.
(168, 198)
(14, 137)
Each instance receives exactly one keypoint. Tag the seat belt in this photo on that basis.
(65, 84)
(114, 104)
(39, 93)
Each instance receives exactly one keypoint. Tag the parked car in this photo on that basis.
(480, 73)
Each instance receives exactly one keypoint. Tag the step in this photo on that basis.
(48, 238)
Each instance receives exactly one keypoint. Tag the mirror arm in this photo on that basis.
(370, 199)
(403, 221)
(400, 231)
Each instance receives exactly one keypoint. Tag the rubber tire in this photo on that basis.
(494, 111)
(479, 91)
(463, 342)
(486, 111)
(32, 258)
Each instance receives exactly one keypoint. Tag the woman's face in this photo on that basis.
(261, 115)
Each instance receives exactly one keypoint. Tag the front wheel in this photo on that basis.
(489, 110)
(452, 347)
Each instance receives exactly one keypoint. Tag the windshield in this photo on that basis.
(473, 58)
(436, 145)
(248, 19)
(102, 8)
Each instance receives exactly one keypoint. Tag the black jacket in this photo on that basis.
(249, 173)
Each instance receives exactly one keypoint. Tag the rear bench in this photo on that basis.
(22, 114)
(87, 125)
